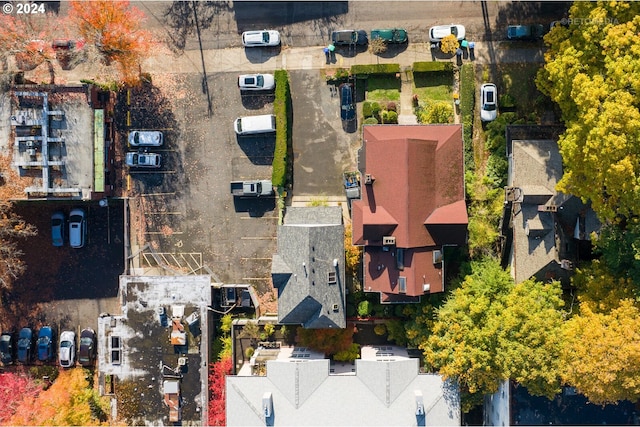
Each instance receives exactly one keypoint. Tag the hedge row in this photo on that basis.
(282, 110)
(429, 66)
(467, 102)
(375, 69)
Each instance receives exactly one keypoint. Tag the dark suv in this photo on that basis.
(347, 107)
(349, 37)
(25, 341)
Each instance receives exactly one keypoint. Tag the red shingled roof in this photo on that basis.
(417, 196)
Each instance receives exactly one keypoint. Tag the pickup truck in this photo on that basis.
(254, 188)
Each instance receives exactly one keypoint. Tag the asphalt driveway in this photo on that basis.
(322, 148)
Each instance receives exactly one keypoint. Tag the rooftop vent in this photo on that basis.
(368, 179)
(547, 208)
(267, 404)
(335, 307)
(419, 402)
(333, 279)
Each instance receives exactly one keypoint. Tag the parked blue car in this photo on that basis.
(25, 339)
(45, 344)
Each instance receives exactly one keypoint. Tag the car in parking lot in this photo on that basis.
(45, 344)
(143, 160)
(145, 138)
(390, 35)
(25, 339)
(260, 38)
(256, 81)
(488, 102)
(57, 229)
(87, 350)
(7, 348)
(349, 37)
(347, 107)
(67, 353)
(77, 228)
(439, 32)
(525, 32)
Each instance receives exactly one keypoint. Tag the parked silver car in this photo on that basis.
(256, 82)
(145, 138)
(77, 228)
(488, 102)
(143, 160)
(67, 353)
(260, 38)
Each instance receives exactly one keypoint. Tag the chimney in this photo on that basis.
(368, 179)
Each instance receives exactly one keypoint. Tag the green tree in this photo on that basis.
(489, 330)
(619, 247)
(594, 76)
(601, 353)
(436, 112)
(599, 290)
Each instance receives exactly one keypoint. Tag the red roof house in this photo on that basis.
(412, 205)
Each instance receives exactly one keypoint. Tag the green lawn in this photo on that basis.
(435, 86)
(383, 88)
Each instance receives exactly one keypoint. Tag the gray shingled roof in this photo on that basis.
(535, 167)
(308, 243)
(380, 393)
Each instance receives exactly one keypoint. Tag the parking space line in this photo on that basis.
(161, 232)
(256, 278)
(164, 213)
(261, 217)
(157, 194)
(258, 238)
(261, 259)
(149, 172)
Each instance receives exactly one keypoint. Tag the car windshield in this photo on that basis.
(265, 37)
(454, 31)
(65, 344)
(86, 341)
(43, 341)
(136, 138)
(259, 80)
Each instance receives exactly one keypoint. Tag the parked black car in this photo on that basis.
(87, 352)
(7, 348)
(347, 105)
(349, 37)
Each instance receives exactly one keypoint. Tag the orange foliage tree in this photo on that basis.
(114, 27)
(69, 401)
(28, 38)
(217, 395)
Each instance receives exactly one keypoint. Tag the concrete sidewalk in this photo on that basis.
(304, 58)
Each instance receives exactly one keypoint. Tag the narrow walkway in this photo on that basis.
(406, 114)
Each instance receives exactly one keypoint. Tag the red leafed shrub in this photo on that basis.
(217, 373)
(14, 389)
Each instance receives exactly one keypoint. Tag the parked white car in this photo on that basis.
(260, 38)
(143, 160)
(67, 354)
(488, 102)
(439, 32)
(256, 82)
(145, 138)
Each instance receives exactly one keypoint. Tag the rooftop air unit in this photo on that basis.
(389, 240)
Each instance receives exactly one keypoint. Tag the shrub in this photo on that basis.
(349, 355)
(366, 109)
(391, 106)
(364, 308)
(370, 121)
(249, 352)
(437, 112)
(380, 329)
(506, 100)
(282, 110)
(375, 69)
(467, 101)
(390, 117)
(375, 108)
(429, 66)
(377, 46)
(449, 44)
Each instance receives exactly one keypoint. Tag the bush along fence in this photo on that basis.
(282, 109)
(467, 101)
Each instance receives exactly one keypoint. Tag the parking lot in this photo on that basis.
(69, 276)
(186, 209)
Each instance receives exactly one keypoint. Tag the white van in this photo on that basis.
(255, 124)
